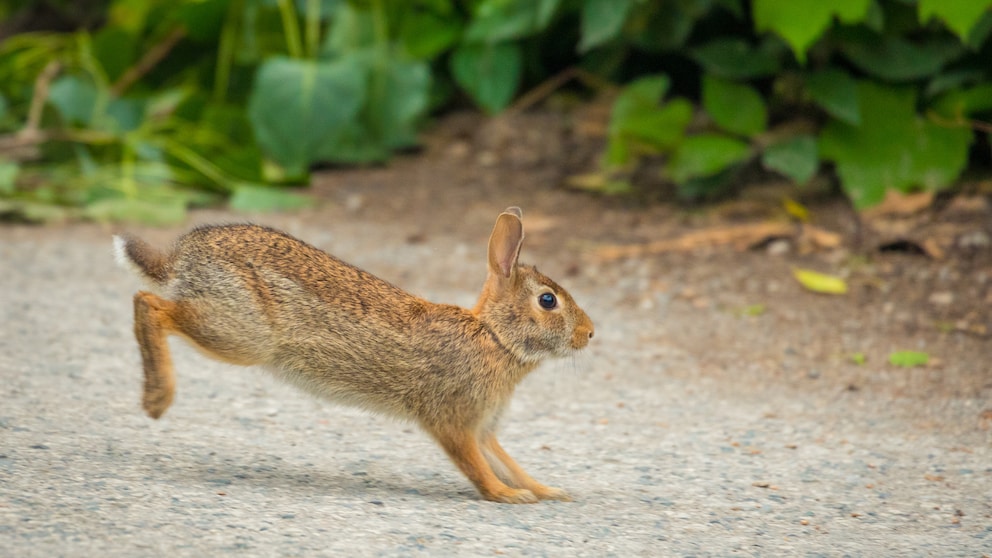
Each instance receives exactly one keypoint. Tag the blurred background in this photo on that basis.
(137, 110)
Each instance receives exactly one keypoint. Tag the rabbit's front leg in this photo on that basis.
(519, 477)
(462, 446)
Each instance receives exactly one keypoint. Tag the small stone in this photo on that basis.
(974, 240)
(778, 247)
(942, 298)
(354, 202)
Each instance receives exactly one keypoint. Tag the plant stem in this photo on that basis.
(313, 27)
(291, 28)
(225, 50)
(151, 58)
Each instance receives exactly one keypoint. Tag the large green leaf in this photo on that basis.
(897, 59)
(893, 147)
(800, 23)
(503, 20)
(796, 157)
(490, 73)
(734, 107)
(602, 21)
(705, 155)
(959, 15)
(297, 105)
(837, 93)
(735, 58)
(396, 100)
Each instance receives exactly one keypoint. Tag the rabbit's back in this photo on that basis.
(323, 324)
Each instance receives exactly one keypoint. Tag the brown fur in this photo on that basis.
(252, 295)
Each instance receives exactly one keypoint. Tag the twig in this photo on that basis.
(552, 84)
(960, 122)
(151, 59)
(39, 97)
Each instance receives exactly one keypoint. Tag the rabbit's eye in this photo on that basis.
(547, 301)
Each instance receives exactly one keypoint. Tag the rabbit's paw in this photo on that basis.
(513, 496)
(550, 493)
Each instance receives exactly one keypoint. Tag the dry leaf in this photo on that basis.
(898, 204)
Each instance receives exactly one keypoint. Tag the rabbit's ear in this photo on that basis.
(504, 244)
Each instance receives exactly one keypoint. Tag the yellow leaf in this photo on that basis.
(820, 282)
(795, 209)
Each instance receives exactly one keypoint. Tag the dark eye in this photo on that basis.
(547, 301)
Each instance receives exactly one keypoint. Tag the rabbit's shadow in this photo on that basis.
(349, 481)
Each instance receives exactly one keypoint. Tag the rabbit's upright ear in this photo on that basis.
(504, 244)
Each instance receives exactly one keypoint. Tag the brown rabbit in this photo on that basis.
(252, 295)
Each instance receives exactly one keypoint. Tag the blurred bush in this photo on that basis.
(139, 109)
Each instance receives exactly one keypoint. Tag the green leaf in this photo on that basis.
(602, 21)
(425, 34)
(909, 359)
(981, 31)
(259, 198)
(8, 177)
(74, 98)
(801, 23)
(734, 107)
(661, 127)
(734, 58)
(796, 157)
(820, 282)
(959, 15)
(638, 96)
(115, 49)
(490, 73)
(660, 26)
(893, 147)
(397, 100)
(897, 59)
(705, 155)
(202, 19)
(837, 93)
(638, 117)
(965, 102)
(504, 20)
(296, 106)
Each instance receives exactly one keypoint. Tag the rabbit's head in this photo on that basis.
(532, 316)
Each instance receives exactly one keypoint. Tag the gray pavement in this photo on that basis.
(660, 461)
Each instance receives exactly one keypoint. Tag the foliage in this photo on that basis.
(884, 90)
(176, 103)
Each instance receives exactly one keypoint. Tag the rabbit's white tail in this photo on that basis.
(141, 259)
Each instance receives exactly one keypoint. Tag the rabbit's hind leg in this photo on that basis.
(517, 476)
(152, 324)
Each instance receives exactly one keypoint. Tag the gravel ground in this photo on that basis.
(662, 460)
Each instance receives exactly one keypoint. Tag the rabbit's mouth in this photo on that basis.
(581, 337)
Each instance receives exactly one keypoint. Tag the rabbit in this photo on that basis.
(252, 295)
